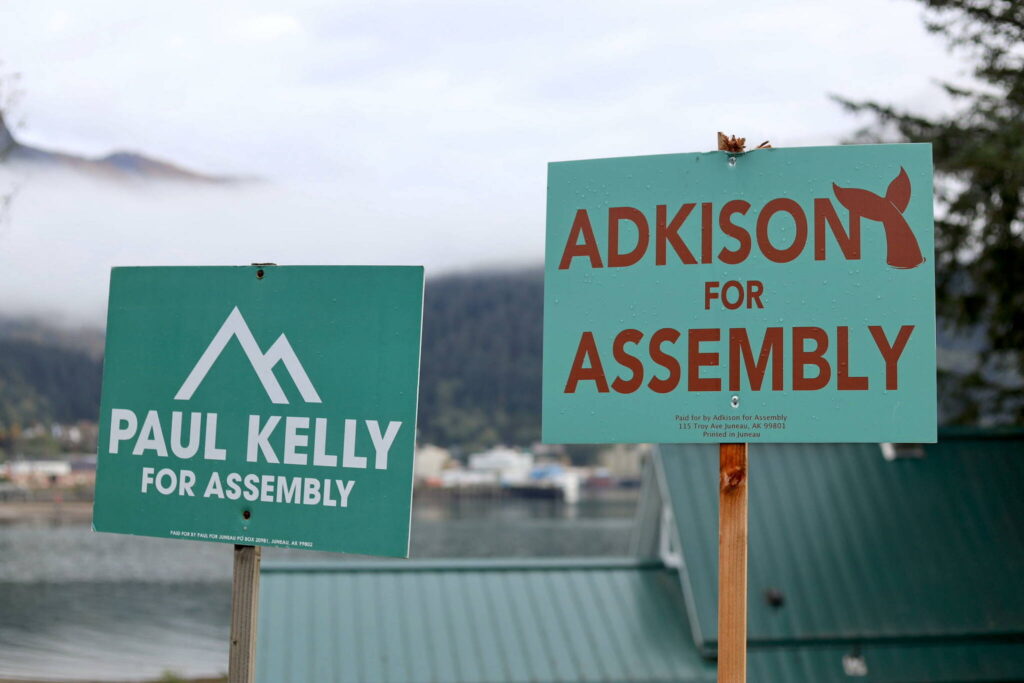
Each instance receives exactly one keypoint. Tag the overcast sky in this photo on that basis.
(403, 132)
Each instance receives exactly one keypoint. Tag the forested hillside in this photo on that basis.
(480, 380)
(481, 368)
(43, 383)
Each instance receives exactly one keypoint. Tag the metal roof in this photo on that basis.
(889, 572)
(475, 621)
(891, 662)
(863, 550)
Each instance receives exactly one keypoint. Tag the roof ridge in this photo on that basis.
(900, 639)
(463, 564)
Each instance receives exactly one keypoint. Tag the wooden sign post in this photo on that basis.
(732, 563)
(245, 592)
(732, 537)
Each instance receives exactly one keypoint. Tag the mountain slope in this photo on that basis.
(118, 165)
(44, 383)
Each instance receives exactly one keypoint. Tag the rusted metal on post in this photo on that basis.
(245, 592)
(732, 563)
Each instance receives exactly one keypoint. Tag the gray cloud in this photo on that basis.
(401, 132)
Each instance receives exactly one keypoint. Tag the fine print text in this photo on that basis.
(736, 426)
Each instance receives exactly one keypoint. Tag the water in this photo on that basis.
(75, 604)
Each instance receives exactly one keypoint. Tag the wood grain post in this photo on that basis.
(245, 595)
(732, 563)
(732, 533)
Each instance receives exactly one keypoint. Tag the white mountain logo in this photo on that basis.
(263, 363)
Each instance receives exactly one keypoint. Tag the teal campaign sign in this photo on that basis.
(781, 295)
(270, 406)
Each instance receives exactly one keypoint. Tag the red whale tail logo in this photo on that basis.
(903, 250)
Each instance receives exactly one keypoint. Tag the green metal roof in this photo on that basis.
(475, 621)
(891, 662)
(925, 551)
(912, 568)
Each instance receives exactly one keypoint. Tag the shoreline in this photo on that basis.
(65, 512)
(169, 678)
(80, 511)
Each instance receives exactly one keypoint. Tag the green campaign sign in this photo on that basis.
(779, 295)
(269, 406)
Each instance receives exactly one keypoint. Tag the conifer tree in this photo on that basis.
(979, 163)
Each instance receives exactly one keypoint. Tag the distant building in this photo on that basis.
(457, 478)
(623, 461)
(507, 463)
(430, 461)
(83, 470)
(75, 470)
(36, 473)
